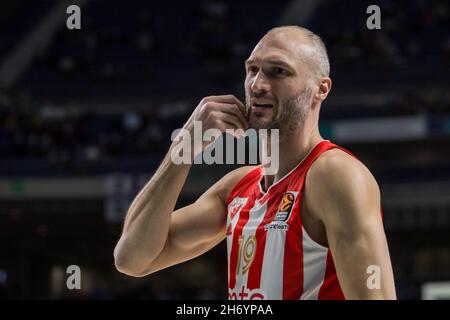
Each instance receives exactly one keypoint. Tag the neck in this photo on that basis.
(292, 150)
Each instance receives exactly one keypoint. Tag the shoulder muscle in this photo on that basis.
(224, 186)
(341, 189)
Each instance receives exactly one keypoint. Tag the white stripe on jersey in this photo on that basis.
(236, 201)
(256, 216)
(314, 267)
(273, 262)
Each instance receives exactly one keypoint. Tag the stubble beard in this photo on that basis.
(294, 111)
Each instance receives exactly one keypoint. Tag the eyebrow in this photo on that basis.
(273, 61)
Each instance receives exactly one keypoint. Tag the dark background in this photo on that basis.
(86, 116)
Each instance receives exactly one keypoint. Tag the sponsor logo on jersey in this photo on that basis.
(246, 294)
(276, 226)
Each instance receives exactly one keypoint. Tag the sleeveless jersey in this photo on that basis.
(270, 255)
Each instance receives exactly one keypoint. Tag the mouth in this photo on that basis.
(261, 107)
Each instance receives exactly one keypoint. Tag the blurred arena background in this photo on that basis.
(86, 116)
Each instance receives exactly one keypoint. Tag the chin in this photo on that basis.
(261, 125)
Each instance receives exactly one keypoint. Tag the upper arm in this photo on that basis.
(349, 208)
(200, 226)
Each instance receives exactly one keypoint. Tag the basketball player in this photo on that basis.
(313, 230)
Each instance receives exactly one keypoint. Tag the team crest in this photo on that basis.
(235, 206)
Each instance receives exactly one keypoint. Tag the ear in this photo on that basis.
(324, 88)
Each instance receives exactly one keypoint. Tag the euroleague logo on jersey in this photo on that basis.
(286, 205)
(284, 210)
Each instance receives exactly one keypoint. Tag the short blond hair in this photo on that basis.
(319, 54)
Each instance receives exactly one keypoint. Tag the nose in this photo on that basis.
(259, 84)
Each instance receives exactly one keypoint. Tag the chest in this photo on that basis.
(282, 214)
(278, 213)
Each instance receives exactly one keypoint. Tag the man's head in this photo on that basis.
(287, 75)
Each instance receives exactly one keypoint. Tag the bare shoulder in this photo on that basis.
(227, 182)
(336, 179)
(337, 164)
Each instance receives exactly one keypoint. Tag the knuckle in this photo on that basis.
(205, 100)
(207, 107)
(222, 127)
(209, 117)
(216, 121)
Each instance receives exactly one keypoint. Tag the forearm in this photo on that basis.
(363, 267)
(147, 221)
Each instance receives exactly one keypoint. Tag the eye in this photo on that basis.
(278, 71)
(252, 69)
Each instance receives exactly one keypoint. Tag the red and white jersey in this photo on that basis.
(270, 255)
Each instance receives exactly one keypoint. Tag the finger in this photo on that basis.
(233, 110)
(231, 121)
(229, 98)
(241, 107)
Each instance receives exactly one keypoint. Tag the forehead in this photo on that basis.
(282, 47)
(273, 48)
